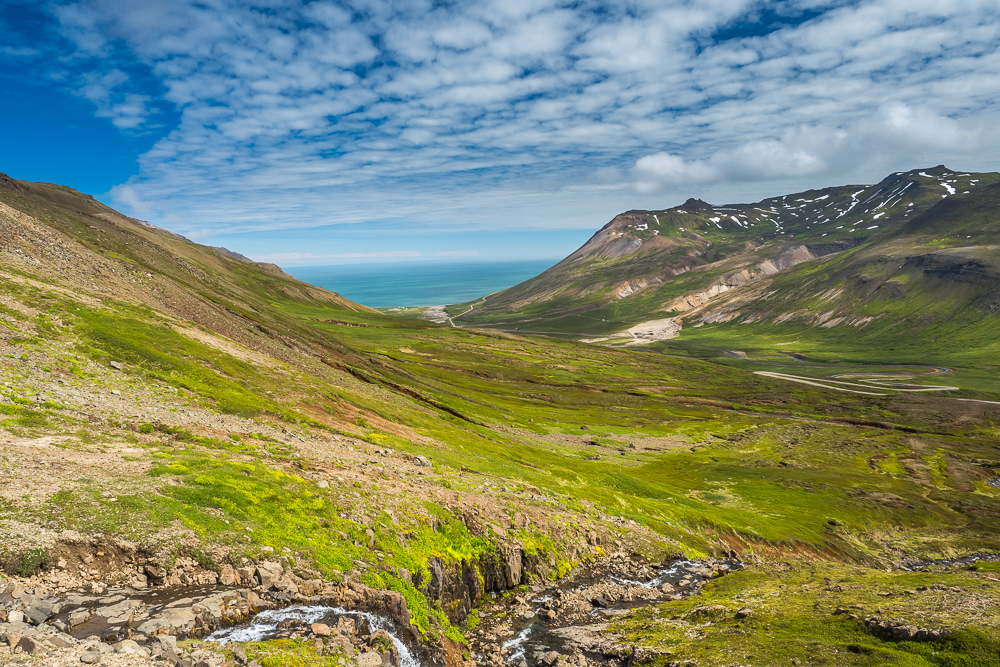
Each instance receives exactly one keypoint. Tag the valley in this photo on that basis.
(176, 418)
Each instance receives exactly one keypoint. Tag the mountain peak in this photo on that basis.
(693, 204)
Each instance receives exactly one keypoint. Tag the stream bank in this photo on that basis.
(522, 625)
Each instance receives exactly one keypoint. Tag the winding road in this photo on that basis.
(829, 384)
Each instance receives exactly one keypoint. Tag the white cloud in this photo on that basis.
(527, 113)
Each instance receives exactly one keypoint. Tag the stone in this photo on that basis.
(167, 642)
(548, 659)
(29, 646)
(90, 657)
(239, 655)
(115, 392)
(129, 647)
(227, 577)
(39, 610)
(117, 365)
(15, 617)
(78, 617)
(422, 461)
(321, 629)
(323, 484)
(369, 660)
(169, 622)
(347, 626)
(744, 613)
(268, 574)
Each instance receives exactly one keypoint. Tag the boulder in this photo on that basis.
(78, 617)
(369, 660)
(239, 655)
(29, 646)
(268, 573)
(90, 657)
(422, 461)
(169, 622)
(129, 647)
(227, 577)
(39, 610)
(321, 629)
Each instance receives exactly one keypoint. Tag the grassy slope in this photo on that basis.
(484, 407)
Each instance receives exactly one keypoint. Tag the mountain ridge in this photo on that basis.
(646, 264)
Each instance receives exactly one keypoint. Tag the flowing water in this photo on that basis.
(268, 625)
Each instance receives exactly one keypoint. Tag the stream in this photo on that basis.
(569, 616)
(275, 623)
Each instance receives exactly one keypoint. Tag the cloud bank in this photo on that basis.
(517, 113)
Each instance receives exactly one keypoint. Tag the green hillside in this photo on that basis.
(196, 405)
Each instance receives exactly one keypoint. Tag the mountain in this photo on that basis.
(686, 261)
(188, 437)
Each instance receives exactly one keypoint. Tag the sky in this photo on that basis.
(313, 133)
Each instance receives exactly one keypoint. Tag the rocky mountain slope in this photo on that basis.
(684, 261)
(187, 438)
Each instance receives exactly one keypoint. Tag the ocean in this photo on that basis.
(413, 284)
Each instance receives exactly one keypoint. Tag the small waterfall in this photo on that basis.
(265, 626)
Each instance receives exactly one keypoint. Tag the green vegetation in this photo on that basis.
(31, 561)
(814, 612)
(276, 420)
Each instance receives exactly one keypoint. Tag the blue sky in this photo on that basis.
(334, 132)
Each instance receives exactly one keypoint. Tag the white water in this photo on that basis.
(673, 570)
(518, 644)
(266, 622)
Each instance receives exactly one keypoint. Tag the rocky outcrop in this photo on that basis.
(901, 631)
(458, 587)
(783, 261)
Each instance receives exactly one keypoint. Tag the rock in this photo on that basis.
(323, 484)
(39, 610)
(599, 602)
(155, 572)
(129, 647)
(29, 646)
(167, 642)
(115, 392)
(15, 617)
(744, 613)
(90, 657)
(170, 622)
(78, 617)
(548, 659)
(369, 660)
(347, 626)
(268, 574)
(422, 461)
(227, 576)
(239, 655)
(117, 365)
(321, 629)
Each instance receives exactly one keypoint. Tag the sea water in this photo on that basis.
(418, 284)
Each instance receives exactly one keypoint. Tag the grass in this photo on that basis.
(793, 616)
(692, 445)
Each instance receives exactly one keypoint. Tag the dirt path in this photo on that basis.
(828, 384)
(451, 320)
